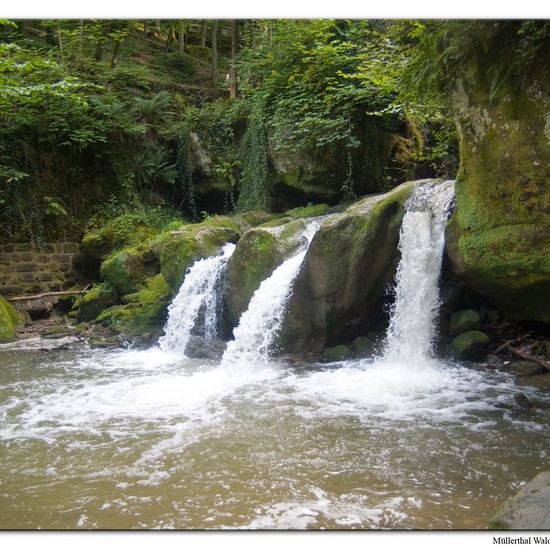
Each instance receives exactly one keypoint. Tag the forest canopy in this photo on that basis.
(179, 119)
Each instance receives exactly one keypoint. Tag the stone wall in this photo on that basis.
(25, 269)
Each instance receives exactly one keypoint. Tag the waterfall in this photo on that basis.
(260, 324)
(197, 291)
(421, 242)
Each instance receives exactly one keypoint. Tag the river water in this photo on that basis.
(144, 439)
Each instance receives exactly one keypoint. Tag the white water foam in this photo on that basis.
(260, 324)
(422, 240)
(197, 291)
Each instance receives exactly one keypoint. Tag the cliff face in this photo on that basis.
(499, 237)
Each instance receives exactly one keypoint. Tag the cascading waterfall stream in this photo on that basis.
(260, 324)
(197, 290)
(422, 239)
(154, 439)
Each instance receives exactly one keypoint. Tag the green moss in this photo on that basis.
(122, 231)
(257, 254)
(469, 344)
(8, 321)
(463, 321)
(144, 314)
(309, 211)
(178, 250)
(499, 236)
(89, 306)
(361, 224)
(247, 220)
(276, 222)
(126, 269)
(221, 221)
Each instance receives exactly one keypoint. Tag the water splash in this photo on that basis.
(199, 290)
(422, 239)
(260, 324)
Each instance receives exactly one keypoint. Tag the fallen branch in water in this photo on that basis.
(529, 357)
(509, 342)
(48, 294)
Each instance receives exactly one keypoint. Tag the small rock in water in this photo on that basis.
(336, 353)
(522, 400)
(362, 347)
(469, 345)
(540, 381)
(494, 361)
(524, 368)
(203, 348)
(464, 321)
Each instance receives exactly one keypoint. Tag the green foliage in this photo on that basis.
(184, 178)
(255, 184)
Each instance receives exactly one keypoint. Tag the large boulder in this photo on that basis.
(89, 306)
(144, 315)
(256, 256)
(499, 237)
(8, 321)
(128, 268)
(179, 249)
(347, 269)
(529, 509)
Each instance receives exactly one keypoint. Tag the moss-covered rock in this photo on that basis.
(309, 211)
(256, 256)
(499, 237)
(336, 353)
(8, 321)
(528, 509)
(362, 346)
(127, 269)
(144, 315)
(469, 345)
(343, 280)
(179, 249)
(89, 306)
(463, 321)
(247, 220)
(119, 232)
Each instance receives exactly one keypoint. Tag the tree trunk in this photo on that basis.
(100, 47)
(116, 54)
(145, 29)
(204, 30)
(169, 39)
(118, 44)
(60, 41)
(234, 49)
(81, 37)
(214, 52)
(181, 38)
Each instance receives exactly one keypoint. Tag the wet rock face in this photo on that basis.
(259, 252)
(529, 509)
(498, 240)
(345, 275)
